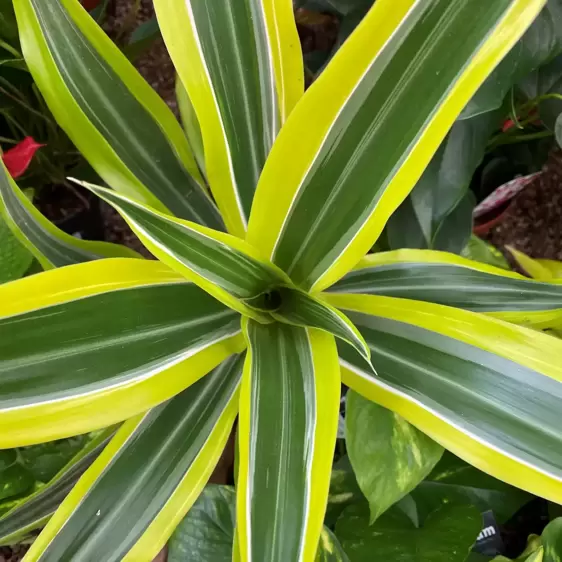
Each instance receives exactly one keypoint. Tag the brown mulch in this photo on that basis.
(533, 221)
(13, 554)
(116, 230)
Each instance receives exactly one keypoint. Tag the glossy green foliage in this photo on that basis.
(454, 480)
(207, 531)
(25, 468)
(389, 456)
(446, 534)
(15, 259)
(479, 250)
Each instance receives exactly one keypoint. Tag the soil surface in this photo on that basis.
(12, 554)
(533, 221)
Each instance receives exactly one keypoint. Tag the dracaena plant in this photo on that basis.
(263, 299)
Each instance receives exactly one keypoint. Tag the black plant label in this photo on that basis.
(489, 541)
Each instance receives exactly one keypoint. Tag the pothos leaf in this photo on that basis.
(390, 457)
(446, 535)
(207, 531)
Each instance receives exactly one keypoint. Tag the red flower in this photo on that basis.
(90, 4)
(507, 124)
(17, 159)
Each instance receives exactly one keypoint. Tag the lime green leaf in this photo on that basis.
(51, 246)
(447, 534)
(15, 480)
(329, 548)
(546, 548)
(241, 65)
(289, 410)
(479, 250)
(46, 459)
(552, 541)
(32, 511)
(486, 390)
(113, 116)
(207, 531)
(88, 345)
(362, 141)
(129, 501)
(390, 457)
(223, 265)
(534, 268)
(443, 278)
(344, 490)
(15, 259)
(554, 266)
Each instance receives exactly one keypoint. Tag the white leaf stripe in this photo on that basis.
(263, 40)
(378, 382)
(134, 153)
(210, 255)
(48, 249)
(282, 86)
(193, 25)
(68, 296)
(102, 388)
(287, 385)
(302, 309)
(32, 512)
(479, 59)
(327, 135)
(130, 429)
(190, 429)
(310, 395)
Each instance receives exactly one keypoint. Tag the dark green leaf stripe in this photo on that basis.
(377, 128)
(300, 309)
(221, 264)
(236, 53)
(146, 471)
(452, 285)
(282, 419)
(33, 512)
(123, 121)
(114, 338)
(499, 403)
